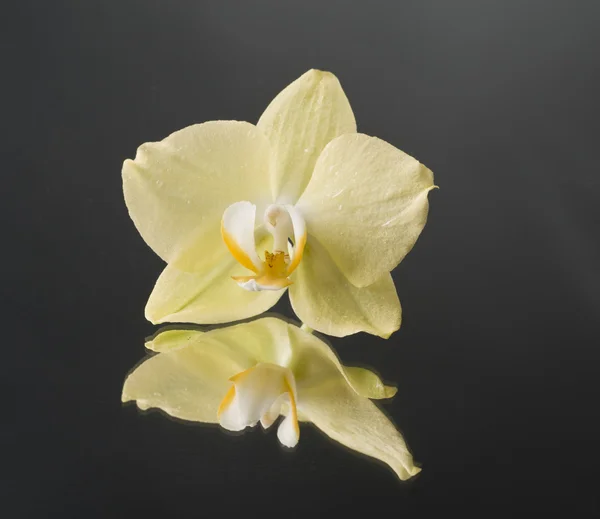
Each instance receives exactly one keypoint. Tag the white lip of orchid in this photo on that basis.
(283, 222)
(260, 394)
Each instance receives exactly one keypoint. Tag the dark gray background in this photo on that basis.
(497, 358)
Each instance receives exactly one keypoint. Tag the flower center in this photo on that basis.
(262, 393)
(283, 222)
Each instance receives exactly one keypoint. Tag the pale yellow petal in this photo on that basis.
(187, 382)
(357, 423)
(325, 300)
(264, 340)
(177, 189)
(368, 384)
(315, 359)
(172, 339)
(209, 297)
(367, 204)
(299, 122)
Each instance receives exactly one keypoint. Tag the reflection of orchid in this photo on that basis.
(335, 211)
(243, 374)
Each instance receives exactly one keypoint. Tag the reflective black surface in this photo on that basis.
(497, 358)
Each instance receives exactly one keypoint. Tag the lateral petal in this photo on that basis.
(176, 190)
(367, 204)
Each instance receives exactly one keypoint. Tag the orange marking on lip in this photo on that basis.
(238, 377)
(226, 402)
(293, 409)
(236, 251)
(298, 253)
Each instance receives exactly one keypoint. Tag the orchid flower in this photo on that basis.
(300, 202)
(254, 372)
